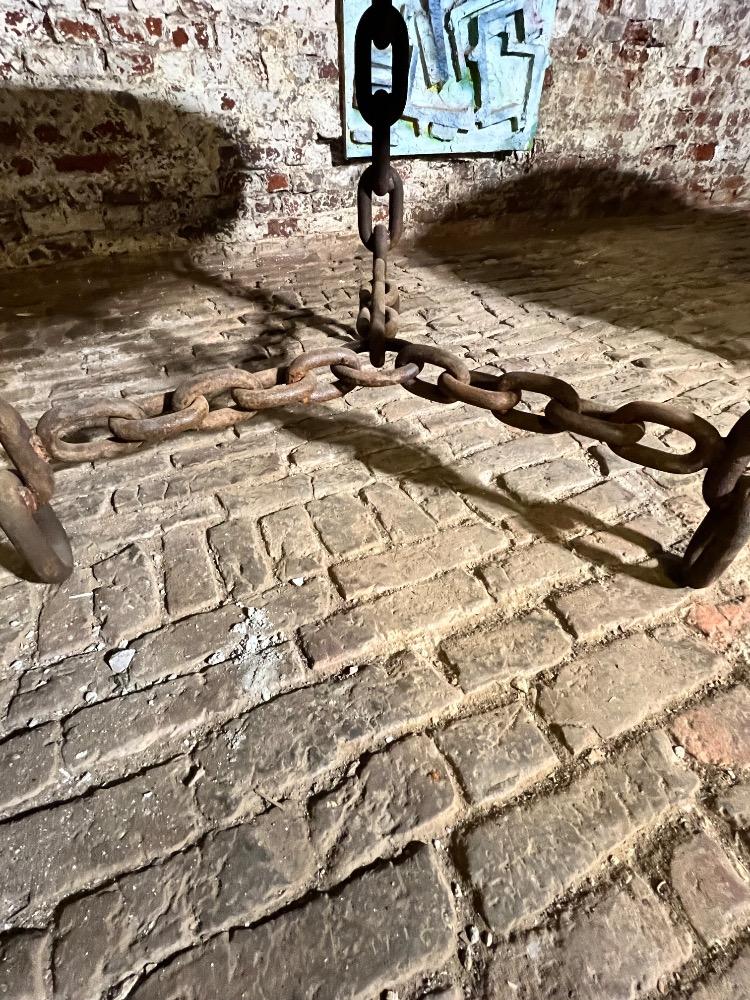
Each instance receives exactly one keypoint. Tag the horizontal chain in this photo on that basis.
(229, 396)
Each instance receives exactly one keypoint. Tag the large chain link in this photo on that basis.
(26, 516)
(230, 396)
(381, 25)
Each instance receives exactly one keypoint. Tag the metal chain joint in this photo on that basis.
(230, 396)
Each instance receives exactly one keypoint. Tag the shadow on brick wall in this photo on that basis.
(610, 245)
(85, 170)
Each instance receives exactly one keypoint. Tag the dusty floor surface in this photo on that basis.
(404, 706)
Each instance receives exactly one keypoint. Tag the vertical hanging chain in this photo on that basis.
(381, 26)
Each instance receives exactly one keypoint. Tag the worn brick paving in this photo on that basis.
(407, 706)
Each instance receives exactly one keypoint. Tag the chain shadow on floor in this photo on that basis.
(607, 244)
(90, 305)
(549, 520)
(374, 445)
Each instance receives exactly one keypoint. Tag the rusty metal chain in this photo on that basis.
(228, 397)
(26, 516)
(381, 25)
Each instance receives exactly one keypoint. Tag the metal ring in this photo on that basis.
(731, 463)
(375, 378)
(382, 26)
(34, 531)
(718, 540)
(214, 384)
(365, 189)
(364, 321)
(707, 438)
(392, 296)
(424, 354)
(167, 425)
(498, 401)
(278, 395)
(324, 358)
(20, 445)
(555, 388)
(593, 421)
(56, 424)
(211, 385)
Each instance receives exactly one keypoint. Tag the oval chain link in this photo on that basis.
(34, 531)
(426, 354)
(482, 390)
(24, 448)
(57, 425)
(594, 421)
(730, 465)
(718, 540)
(546, 385)
(163, 427)
(375, 378)
(707, 439)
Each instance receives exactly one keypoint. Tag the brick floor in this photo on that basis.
(380, 698)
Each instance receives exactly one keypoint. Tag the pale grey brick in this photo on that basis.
(284, 957)
(731, 984)
(609, 499)
(259, 500)
(622, 945)
(440, 604)
(152, 722)
(293, 543)
(50, 692)
(405, 567)
(604, 606)
(61, 850)
(335, 720)
(504, 650)
(291, 605)
(241, 557)
(233, 877)
(397, 796)
(714, 891)
(29, 764)
(344, 477)
(345, 525)
(527, 857)
(190, 576)
(19, 611)
(66, 623)
(22, 965)
(439, 499)
(600, 695)
(497, 754)
(523, 450)
(629, 542)
(185, 646)
(531, 572)
(127, 602)
(734, 805)
(550, 481)
(313, 454)
(403, 519)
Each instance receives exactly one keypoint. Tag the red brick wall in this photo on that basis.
(121, 127)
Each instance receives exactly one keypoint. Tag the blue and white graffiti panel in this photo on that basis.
(475, 78)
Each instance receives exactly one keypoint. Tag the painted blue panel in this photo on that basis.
(475, 79)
